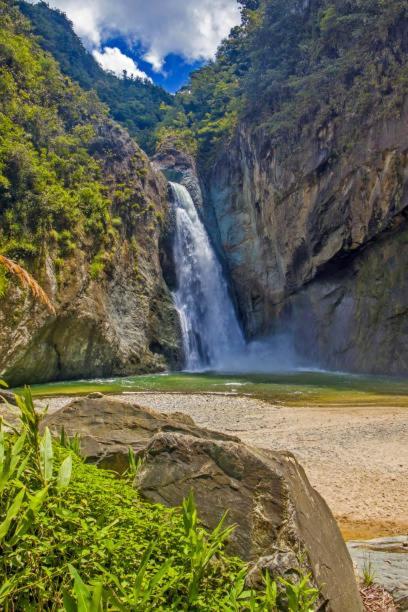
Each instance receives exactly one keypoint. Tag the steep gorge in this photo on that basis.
(301, 144)
(303, 190)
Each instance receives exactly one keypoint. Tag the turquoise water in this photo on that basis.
(292, 388)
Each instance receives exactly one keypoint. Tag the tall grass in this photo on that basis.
(28, 282)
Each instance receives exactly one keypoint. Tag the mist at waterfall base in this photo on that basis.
(212, 336)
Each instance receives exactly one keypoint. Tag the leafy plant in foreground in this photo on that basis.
(79, 538)
(73, 444)
(200, 549)
(300, 596)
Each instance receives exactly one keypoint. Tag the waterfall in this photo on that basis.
(212, 337)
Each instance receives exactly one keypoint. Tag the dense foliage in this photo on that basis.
(135, 103)
(57, 193)
(49, 182)
(78, 538)
(292, 67)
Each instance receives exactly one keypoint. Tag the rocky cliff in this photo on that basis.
(114, 320)
(81, 208)
(316, 240)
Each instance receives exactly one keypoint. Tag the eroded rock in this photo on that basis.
(317, 241)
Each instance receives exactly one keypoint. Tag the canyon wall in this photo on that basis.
(315, 240)
(118, 322)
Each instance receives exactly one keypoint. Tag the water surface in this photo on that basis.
(292, 388)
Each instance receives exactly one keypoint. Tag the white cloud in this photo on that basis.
(113, 60)
(190, 28)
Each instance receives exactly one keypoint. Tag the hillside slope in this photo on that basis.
(134, 103)
(81, 208)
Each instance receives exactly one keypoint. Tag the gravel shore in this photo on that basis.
(357, 458)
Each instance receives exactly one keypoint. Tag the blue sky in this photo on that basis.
(162, 40)
(175, 70)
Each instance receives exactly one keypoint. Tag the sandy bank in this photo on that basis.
(357, 458)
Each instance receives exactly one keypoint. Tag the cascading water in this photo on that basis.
(212, 337)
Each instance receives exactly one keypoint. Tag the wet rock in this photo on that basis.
(267, 495)
(95, 395)
(318, 241)
(389, 561)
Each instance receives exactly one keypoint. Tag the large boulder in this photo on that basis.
(268, 497)
(108, 428)
(283, 525)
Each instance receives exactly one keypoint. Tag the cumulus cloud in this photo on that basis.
(190, 28)
(113, 60)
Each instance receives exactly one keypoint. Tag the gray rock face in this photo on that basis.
(356, 317)
(389, 560)
(282, 522)
(289, 223)
(121, 323)
(179, 167)
(267, 496)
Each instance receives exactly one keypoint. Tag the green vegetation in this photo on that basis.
(62, 191)
(133, 102)
(50, 185)
(293, 67)
(78, 538)
(368, 573)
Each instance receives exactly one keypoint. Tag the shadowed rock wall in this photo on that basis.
(316, 239)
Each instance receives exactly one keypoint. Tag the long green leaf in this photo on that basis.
(142, 569)
(47, 455)
(97, 597)
(11, 513)
(64, 473)
(18, 445)
(69, 602)
(2, 443)
(82, 592)
(28, 517)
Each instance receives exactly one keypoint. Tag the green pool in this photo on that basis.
(292, 388)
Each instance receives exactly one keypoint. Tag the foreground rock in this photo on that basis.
(280, 518)
(282, 523)
(389, 561)
(108, 428)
